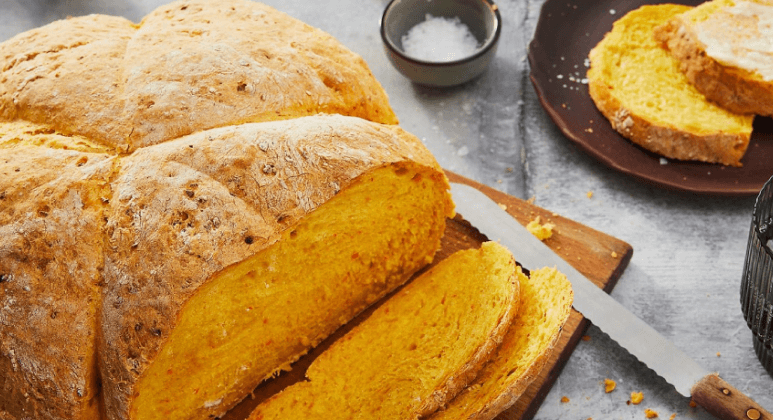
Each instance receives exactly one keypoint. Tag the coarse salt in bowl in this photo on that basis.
(440, 42)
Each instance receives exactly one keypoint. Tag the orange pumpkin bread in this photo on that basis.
(545, 304)
(638, 87)
(178, 220)
(415, 352)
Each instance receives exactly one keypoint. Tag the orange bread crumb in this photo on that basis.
(541, 231)
(636, 397)
(609, 385)
(650, 414)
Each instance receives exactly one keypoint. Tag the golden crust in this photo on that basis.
(50, 260)
(732, 88)
(144, 83)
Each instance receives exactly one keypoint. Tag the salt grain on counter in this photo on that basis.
(439, 39)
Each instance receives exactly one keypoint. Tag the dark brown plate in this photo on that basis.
(566, 32)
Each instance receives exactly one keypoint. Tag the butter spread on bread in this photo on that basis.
(638, 87)
(725, 48)
(178, 221)
(416, 351)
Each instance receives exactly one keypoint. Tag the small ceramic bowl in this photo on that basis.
(480, 16)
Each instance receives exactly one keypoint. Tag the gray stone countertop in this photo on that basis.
(688, 249)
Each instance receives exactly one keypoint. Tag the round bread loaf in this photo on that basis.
(188, 204)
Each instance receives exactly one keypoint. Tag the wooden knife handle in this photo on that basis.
(725, 402)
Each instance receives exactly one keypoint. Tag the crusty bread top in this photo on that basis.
(50, 247)
(188, 66)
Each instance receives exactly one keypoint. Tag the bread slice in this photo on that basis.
(417, 351)
(723, 49)
(637, 85)
(545, 304)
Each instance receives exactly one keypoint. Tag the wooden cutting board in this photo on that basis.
(600, 257)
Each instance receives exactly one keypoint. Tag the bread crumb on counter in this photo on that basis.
(637, 397)
(585, 338)
(589, 194)
(673, 416)
(564, 399)
(540, 230)
(609, 385)
(650, 414)
(693, 404)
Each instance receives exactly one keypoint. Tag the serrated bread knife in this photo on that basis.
(691, 380)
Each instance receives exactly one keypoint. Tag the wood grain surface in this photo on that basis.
(602, 258)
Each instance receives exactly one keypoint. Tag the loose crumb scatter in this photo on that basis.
(650, 414)
(693, 404)
(718, 354)
(586, 338)
(636, 397)
(614, 254)
(673, 416)
(564, 399)
(541, 231)
(609, 385)
(590, 194)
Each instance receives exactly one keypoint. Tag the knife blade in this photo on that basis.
(637, 337)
